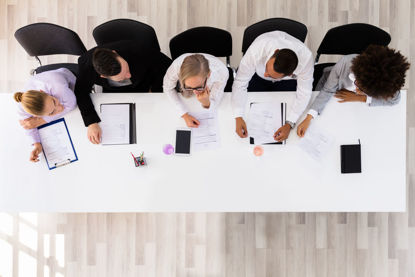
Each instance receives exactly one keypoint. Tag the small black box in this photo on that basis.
(351, 161)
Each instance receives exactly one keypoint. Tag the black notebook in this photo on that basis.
(351, 161)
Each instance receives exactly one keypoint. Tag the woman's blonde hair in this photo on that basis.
(193, 65)
(33, 101)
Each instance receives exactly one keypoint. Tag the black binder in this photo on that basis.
(350, 156)
(283, 115)
(133, 129)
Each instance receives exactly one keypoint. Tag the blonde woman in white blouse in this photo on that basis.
(200, 75)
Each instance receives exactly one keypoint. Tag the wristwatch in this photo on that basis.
(292, 124)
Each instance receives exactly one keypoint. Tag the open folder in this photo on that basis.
(57, 144)
(118, 123)
(264, 119)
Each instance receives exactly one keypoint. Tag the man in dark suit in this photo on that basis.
(125, 66)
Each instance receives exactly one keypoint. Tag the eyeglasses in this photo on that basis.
(198, 89)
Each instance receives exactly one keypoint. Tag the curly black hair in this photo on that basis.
(380, 71)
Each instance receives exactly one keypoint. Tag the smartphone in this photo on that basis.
(183, 140)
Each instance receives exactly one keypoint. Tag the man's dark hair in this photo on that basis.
(105, 62)
(380, 71)
(286, 61)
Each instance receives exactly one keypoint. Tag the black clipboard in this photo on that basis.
(283, 116)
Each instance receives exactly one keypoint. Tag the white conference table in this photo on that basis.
(227, 179)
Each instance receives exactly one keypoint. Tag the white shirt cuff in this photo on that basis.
(238, 113)
(368, 99)
(292, 118)
(313, 113)
(183, 112)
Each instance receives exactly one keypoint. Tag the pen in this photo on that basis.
(135, 160)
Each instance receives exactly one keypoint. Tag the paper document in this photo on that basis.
(56, 144)
(206, 136)
(115, 123)
(264, 119)
(316, 143)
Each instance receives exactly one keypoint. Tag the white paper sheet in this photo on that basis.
(206, 136)
(264, 119)
(316, 143)
(56, 144)
(115, 123)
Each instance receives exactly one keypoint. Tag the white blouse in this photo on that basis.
(59, 83)
(216, 82)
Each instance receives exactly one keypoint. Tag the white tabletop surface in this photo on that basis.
(230, 178)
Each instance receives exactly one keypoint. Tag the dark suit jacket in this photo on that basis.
(147, 67)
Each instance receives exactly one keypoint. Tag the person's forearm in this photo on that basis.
(309, 117)
(301, 101)
(86, 107)
(321, 101)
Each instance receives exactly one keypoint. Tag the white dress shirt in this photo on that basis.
(59, 83)
(216, 82)
(254, 61)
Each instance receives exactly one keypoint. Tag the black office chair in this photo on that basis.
(125, 29)
(209, 40)
(42, 39)
(348, 39)
(128, 29)
(292, 27)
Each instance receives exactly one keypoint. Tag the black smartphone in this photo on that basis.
(183, 140)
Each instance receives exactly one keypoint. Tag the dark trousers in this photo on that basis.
(259, 84)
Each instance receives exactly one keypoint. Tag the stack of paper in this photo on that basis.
(57, 144)
(115, 123)
(316, 143)
(264, 120)
(206, 135)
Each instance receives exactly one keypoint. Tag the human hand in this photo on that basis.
(32, 122)
(241, 128)
(303, 126)
(190, 121)
(94, 133)
(203, 97)
(282, 133)
(349, 96)
(34, 155)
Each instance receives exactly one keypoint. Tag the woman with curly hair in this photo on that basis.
(374, 77)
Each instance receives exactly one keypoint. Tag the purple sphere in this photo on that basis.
(168, 149)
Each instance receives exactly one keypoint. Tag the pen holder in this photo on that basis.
(140, 163)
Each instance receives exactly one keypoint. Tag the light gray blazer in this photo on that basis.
(336, 78)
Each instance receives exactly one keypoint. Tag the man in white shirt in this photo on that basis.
(274, 56)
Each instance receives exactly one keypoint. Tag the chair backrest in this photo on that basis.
(41, 39)
(352, 38)
(124, 29)
(291, 27)
(209, 40)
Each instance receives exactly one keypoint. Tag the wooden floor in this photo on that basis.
(225, 244)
